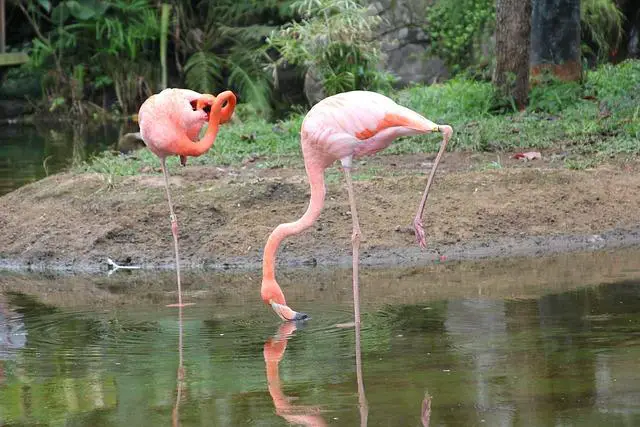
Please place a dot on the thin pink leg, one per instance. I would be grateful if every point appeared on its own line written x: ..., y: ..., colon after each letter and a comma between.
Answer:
x: 355, y: 241
x: 174, y: 231
x: 417, y: 221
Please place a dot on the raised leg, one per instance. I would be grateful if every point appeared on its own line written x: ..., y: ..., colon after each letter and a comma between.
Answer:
x: 355, y: 241
x: 417, y: 221
x: 174, y: 231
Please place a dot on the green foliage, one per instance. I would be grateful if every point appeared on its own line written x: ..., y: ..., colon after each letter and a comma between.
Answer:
x: 333, y: 39
x: 114, y: 34
x: 457, y: 30
x: 602, y: 24
x: 552, y: 96
x: 460, y: 31
x: 222, y: 46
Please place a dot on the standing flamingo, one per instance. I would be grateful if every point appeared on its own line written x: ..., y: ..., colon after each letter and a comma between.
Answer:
x: 341, y: 127
x: 170, y: 122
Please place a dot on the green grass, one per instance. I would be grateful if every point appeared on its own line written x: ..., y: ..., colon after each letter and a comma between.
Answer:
x: 587, y: 121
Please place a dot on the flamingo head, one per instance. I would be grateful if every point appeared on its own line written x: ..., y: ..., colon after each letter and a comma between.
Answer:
x: 203, y: 103
x: 272, y: 295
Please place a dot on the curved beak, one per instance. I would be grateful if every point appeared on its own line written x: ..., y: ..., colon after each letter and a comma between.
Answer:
x: 204, y: 103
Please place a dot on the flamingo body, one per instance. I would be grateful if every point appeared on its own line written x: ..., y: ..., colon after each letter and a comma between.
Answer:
x: 356, y: 124
x: 342, y: 127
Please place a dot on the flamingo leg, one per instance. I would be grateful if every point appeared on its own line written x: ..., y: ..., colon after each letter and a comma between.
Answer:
x: 417, y: 221
x: 355, y: 241
x: 174, y: 231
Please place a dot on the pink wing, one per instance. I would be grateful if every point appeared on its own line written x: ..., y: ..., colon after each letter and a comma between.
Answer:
x: 359, y: 123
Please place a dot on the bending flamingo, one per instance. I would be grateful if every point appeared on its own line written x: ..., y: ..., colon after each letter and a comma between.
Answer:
x: 341, y: 127
x: 170, y: 122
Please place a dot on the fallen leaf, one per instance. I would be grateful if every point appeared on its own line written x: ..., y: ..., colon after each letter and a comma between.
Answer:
x: 531, y: 155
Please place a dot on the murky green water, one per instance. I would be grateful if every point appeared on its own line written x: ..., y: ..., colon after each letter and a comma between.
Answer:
x: 104, y: 350
x: 31, y: 152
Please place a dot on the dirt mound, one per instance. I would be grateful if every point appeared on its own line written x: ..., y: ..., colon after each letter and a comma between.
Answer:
x: 226, y: 214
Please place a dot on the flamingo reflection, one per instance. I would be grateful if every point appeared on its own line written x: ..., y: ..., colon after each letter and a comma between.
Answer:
x: 426, y: 411
x: 175, y: 415
x: 273, y: 352
x: 13, y: 334
x: 362, y: 398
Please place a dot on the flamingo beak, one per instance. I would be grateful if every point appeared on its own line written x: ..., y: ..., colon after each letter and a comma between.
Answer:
x: 204, y: 103
x: 287, y: 314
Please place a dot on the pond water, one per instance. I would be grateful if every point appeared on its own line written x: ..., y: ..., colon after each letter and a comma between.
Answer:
x: 31, y: 152
x: 504, y: 344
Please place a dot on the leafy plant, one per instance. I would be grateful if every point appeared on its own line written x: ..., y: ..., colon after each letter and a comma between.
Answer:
x: 601, y: 24
x: 457, y: 29
x: 335, y: 39
x: 113, y: 34
x: 221, y: 44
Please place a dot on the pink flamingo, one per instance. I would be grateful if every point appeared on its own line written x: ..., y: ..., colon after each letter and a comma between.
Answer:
x: 342, y: 127
x: 170, y: 122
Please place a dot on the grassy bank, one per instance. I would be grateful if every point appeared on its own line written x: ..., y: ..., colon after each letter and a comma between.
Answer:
x: 580, y: 124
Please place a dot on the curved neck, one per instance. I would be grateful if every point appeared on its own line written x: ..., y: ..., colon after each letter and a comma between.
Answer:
x: 316, y: 182
x: 217, y: 116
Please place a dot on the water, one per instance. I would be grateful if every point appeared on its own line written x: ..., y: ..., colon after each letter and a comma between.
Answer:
x: 31, y: 152
x: 548, y: 341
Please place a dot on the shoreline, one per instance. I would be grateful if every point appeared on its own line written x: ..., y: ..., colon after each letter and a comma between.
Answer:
x: 72, y: 222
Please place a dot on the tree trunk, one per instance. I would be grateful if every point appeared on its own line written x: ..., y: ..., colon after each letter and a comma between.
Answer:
x: 555, y: 38
x: 513, y: 30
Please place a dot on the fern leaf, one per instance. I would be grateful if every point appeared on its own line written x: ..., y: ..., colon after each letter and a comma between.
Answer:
x: 203, y: 71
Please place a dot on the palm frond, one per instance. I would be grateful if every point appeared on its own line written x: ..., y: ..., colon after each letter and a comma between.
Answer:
x: 203, y: 71
x: 603, y: 21
x: 251, y: 82
x: 250, y: 33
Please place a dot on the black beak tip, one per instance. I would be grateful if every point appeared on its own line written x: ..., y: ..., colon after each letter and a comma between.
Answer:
x: 301, y: 317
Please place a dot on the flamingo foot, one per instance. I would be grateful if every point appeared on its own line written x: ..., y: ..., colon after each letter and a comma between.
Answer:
x: 184, y: 304
x: 420, y: 235
x: 287, y: 314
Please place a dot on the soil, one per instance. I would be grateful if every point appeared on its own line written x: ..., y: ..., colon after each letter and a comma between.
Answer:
x: 476, y: 209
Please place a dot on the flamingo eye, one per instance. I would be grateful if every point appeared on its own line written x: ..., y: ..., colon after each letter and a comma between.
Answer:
x: 194, y: 104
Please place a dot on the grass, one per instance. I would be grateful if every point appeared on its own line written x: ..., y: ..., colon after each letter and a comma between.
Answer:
x: 587, y: 121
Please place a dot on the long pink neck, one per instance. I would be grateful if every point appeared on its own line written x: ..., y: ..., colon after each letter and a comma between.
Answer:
x: 316, y: 181
x: 217, y: 116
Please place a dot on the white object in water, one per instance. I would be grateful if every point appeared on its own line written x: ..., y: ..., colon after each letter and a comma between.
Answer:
x: 114, y: 266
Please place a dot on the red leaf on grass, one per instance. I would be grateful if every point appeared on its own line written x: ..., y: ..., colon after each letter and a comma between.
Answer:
x: 531, y: 155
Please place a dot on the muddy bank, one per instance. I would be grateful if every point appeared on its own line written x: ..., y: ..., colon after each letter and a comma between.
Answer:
x: 76, y: 221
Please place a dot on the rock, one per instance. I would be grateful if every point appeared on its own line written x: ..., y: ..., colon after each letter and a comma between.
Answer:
x: 12, y: 108
x: 313, y: 88
x: 130, y: 142
x: 404, y: 43
x: 289, y: 83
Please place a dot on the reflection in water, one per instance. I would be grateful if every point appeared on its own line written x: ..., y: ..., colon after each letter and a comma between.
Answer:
x: 274, y: 349
x: 362, y: 399
x: 566, y: 358
x: 273, y: 353
x: 13, y: 335
x: 180, y: 376
x: 425, y: 415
